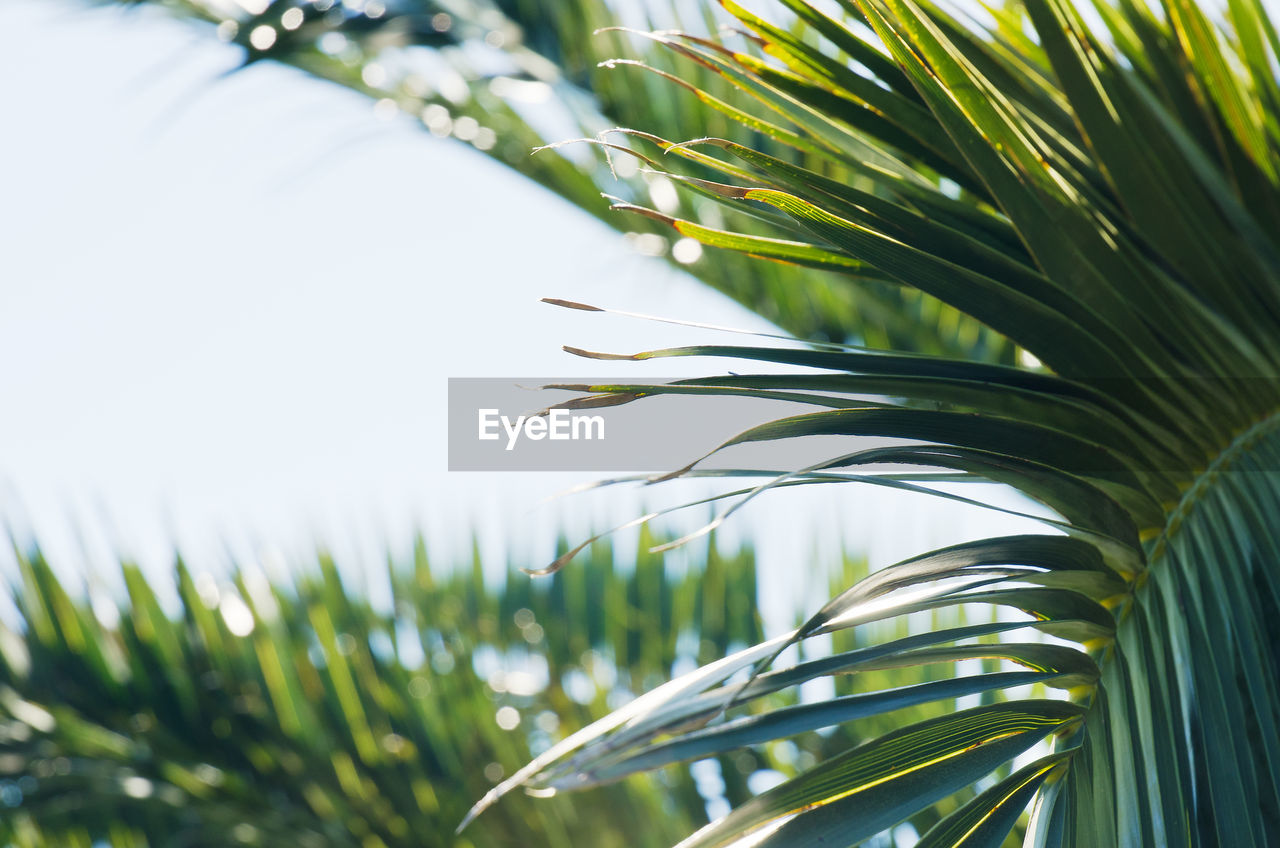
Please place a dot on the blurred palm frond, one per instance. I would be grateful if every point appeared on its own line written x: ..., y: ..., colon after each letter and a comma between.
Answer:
x: 512, y: 76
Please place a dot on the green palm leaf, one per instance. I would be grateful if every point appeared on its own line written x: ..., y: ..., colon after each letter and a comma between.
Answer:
x: 1107, y: 201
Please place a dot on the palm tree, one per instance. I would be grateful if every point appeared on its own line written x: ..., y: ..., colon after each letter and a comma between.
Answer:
x: 1101, y: 192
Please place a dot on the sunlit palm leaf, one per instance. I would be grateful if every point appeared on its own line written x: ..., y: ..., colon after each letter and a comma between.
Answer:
x: 1117, y: 218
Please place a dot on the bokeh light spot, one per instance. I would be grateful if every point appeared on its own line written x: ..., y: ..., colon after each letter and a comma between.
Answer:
x: 262, y: 37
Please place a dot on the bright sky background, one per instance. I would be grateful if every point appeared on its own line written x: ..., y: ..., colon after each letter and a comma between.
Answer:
x: 231, y: 306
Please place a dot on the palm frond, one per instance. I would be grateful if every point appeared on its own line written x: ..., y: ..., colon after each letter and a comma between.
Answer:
x: 1108, y: 201
x: 511, y: 77
x: 300, y: 713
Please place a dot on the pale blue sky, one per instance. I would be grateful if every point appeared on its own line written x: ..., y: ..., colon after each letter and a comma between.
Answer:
x: 231, y: 305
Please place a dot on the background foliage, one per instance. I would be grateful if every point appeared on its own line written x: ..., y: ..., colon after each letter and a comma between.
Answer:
x: 332, y: 722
